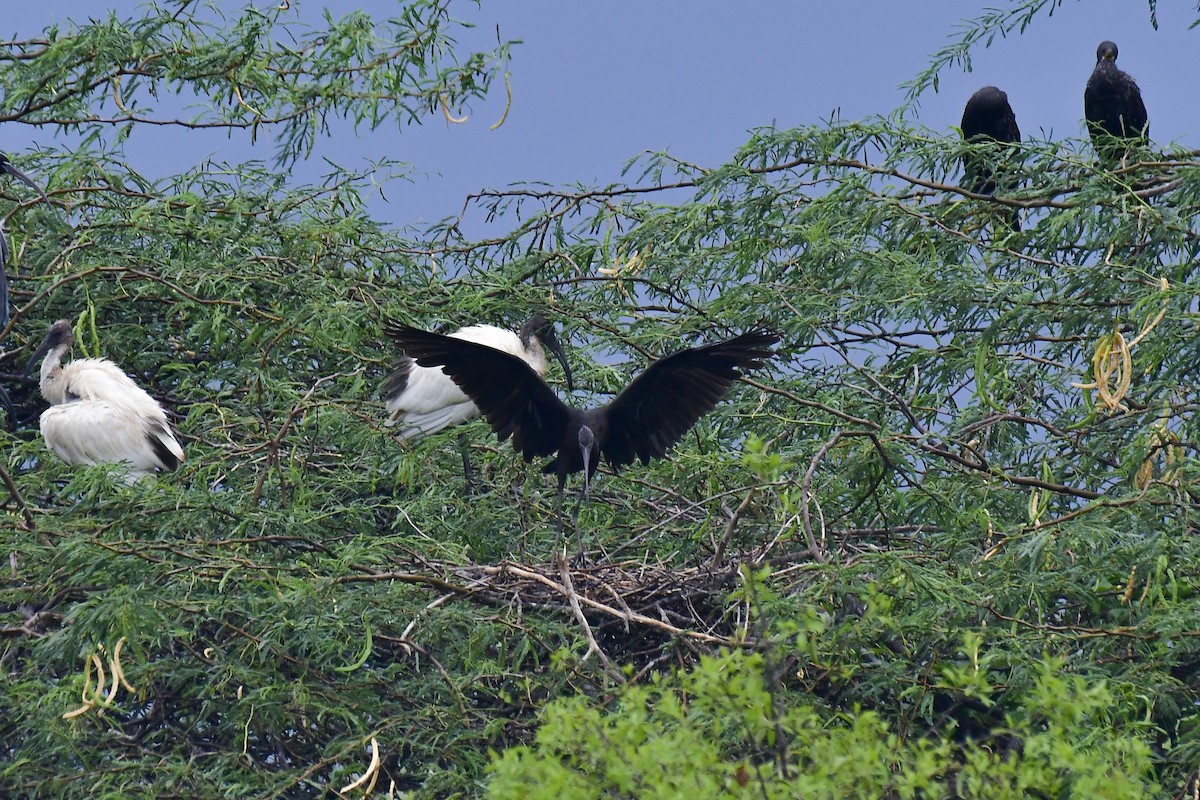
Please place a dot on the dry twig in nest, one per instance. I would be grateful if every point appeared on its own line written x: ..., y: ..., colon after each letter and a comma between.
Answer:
x: 631, y: 609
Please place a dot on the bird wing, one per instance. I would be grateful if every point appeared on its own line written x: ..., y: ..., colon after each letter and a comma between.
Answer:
x: 1012, y: 131
x: 664, y: 402
x: 98, y: 432
x: 512, y: 397
x: 411, y: 388
x: 1138, y: 123
x: 100, y: 379
x: 416, y: 425
x: 121, y: 418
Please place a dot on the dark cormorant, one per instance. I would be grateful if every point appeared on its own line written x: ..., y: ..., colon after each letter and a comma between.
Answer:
x: 1113, y: 107
x: 988, y: 116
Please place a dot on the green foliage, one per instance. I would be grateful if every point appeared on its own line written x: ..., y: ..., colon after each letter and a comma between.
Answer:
x: 262, y: 70
x: 719, y: 732
x: 994, y: 22
x: 953, y: 535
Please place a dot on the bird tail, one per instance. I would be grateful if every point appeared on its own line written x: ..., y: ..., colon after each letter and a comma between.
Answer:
x: 166, y: 447
x: 415, y: 426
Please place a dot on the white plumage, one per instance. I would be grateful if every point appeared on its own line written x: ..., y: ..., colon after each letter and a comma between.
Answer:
x: 422, y: 401
x: 98, y: 415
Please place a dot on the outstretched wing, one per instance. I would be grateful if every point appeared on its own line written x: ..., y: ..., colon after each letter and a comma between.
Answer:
x: 664, y: 402
x: 511, y: 396
x: 99, y: 432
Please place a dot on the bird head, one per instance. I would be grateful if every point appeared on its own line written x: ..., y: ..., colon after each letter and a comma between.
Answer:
x: 60, y: 337
x: 587, y: 441
x: 1106, y: 52
x: 543, y: 329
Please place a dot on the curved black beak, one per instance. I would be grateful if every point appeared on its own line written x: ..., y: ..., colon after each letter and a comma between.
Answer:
x: 7, y: 166
x: 549, y: 338
x: 587, y: 440
x: 37, y: 356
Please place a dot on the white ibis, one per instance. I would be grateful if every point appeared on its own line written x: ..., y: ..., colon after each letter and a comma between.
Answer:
x: 424, y: 400
x: 649, y: 415
x: 1113, y: 107
x: 98, y: 415
x: 988, y: 117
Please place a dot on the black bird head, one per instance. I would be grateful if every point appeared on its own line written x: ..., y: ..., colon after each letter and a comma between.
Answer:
x: 988, y: 117
x: 543, y: 329
x: 61, y: 335
x: 1106, y: 52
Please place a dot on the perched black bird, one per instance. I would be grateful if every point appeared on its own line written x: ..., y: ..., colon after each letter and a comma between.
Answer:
x: 642, y: 422
x: 1113, y: 107
x: 988, y: 117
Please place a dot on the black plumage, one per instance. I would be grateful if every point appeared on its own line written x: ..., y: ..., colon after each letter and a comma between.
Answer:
x: 642, y: 422
x: 1112, y: 105
x: 989, y: 117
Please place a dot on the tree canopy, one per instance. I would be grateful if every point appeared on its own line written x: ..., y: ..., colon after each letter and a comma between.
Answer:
x: 941, y: 546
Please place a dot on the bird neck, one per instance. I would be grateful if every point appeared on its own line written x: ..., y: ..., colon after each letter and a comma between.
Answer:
x: 51, y: 383
x: 535, y: 356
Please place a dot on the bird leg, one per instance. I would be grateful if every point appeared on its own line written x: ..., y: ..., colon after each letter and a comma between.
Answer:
x: 587, y: 440
x: 468, y: 472
x: 575, y: 518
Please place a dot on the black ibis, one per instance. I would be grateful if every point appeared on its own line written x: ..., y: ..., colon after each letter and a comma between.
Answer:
x: 642, y: 422
x: 988, y: 117
x: 98, y: 415
x: 1113, y: 107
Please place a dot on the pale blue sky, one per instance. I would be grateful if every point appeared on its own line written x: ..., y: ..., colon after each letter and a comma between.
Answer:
x: 594, y: 84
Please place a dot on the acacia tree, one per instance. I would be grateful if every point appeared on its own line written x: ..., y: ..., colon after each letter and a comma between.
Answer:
x: 951, y: 525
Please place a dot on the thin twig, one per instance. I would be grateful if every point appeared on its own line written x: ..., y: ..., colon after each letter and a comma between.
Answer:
x: 719, y: 554
x: 573, y: 599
